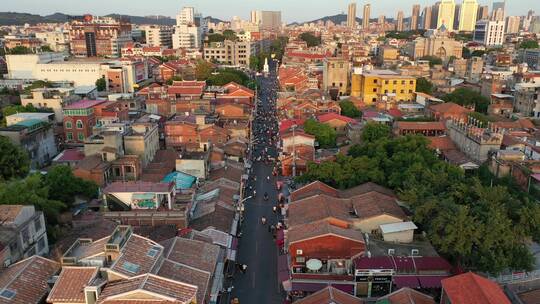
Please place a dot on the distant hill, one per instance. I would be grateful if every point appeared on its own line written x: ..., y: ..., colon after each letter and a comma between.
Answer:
x: 339, y: 18
x: 12, y: 18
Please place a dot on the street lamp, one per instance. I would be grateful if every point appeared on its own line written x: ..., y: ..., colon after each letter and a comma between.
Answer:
x: 241, y: 203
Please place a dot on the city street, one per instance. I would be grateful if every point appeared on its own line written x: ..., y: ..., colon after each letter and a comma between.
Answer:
x: 257, y: 248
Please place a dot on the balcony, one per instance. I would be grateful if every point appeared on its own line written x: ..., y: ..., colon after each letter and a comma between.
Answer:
x: 336, y: 270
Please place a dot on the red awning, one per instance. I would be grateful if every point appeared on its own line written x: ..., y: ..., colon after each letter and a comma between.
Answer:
x: 431, y: 281
x: 406, y: 281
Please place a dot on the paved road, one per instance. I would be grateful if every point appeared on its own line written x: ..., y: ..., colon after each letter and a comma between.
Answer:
x: 257, y: 248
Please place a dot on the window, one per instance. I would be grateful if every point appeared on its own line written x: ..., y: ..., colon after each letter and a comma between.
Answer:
x: 69, y: 136
x: 130, y: 267
x: 386, y: 82
x: 395, y: 81
x: 41, y: 244
x: 69, y: 125
x: 37, y: 224
x: 8, y: 294
x: 25, y: 235
x: 79, y: 124
x: 80, y: 136
x: 403, y: 82
x: 374, y: 90
x: 153, y: 251
x: 128, y: 169
x: 374, y: 80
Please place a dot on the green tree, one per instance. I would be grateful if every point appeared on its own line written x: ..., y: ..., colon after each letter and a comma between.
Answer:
x: 173, y: 79
x: 47, y: 48
x: 101, y: 84
x: 38, y: 84
x: 254, y: 63
x: 375, y: 131
x: 224, y: 76
x: 324, y: 134
x: 203, y: 70
x: 310, y: 39
x: 425, y: 86
x: 14, y: 161
x: 528, y: 44
x: 466, y: 53
x: 230, y: 35
x: 20, y: 50
x: 467, y: 97
x: 215, y: 38
x: 349, y: 109
x: 433, y: 60
x: 64, y: 186
x: 478, y: 53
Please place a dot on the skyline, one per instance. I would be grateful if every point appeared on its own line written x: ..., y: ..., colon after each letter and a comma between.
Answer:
x: 291, y: 10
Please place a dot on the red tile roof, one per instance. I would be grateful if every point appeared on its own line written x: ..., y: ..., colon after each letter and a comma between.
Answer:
x: 286, y: 124
x: 470, y: 288
x: 316, y: 187
x: 28, y: 279
x: 330, y: 295
x: 442, y: 143
x: 421, y: 125
x: 331, y: 116
x: 83, y: 104
x: 407, y: 295
x: 69, y: 287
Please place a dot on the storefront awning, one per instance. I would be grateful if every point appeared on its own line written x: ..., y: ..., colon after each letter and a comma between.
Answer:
x: 406, y: 281
x: 431, y: 281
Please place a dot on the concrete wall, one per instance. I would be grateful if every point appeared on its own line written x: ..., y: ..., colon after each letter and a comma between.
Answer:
x: 373, y: 223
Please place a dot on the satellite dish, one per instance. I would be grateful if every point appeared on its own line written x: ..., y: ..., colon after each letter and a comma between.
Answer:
x: 314, y: 264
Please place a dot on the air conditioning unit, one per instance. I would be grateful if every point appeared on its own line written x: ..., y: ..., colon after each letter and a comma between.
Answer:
x: 391, y: 251
x: 299, y: 252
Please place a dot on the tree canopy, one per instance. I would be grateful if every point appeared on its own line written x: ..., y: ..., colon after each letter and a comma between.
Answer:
x: 467, y: 97
x: 324, y: 134
x: 529, y: 44
x: 433, y: 60
x: 19, y: 50
x: 349, y: 109
x: 203, y: 69
x: 477, y: 226
x: 425, y: 86
x: 215, y: 37
x: 14, y: 161
x: 101, y: 84
x: 310, y: 39
x: 404, y: 34
x: 224, y: 76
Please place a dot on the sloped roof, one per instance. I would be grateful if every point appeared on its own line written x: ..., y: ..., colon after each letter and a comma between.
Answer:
x: 469, y: 288
x: 318, y: 229
x: 316, y: 187
x: 317, y: 208
x: 69, y: 287
x: 330, y: 295
x: 331, y: 116
x: 406, y: 295
x: 374, y: 204
x: 28, y: 279
x: 136, y: 257
x: 158, y: 288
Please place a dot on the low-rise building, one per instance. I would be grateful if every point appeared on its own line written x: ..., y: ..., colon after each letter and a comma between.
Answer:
x: 34, y: 136
x: 22, y: 233
x: 51, y: 98
x: 469, y: 288
x: 382, y: 86
x: 336, y: 75
x: 26, y: 281
x: 142, y: 140
x: 79, y: 120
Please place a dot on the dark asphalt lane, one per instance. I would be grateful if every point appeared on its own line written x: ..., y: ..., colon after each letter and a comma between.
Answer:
x: 257, y: 248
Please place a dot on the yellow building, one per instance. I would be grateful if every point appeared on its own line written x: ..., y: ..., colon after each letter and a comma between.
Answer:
x: 382, y: 85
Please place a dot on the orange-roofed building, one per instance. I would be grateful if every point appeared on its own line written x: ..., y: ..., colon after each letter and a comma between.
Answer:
x: 470, y: 288
x: 448, y: 110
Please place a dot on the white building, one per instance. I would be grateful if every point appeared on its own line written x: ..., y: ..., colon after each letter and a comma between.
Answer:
x: 81, y: 72
x: 57, y: 40
x: 22, y: 232
x: 189, y: 30
x: 157, y: 35
x: 489, y: 33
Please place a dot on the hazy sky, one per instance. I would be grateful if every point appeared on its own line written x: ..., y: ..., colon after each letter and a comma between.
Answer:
x: 292, y: 10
